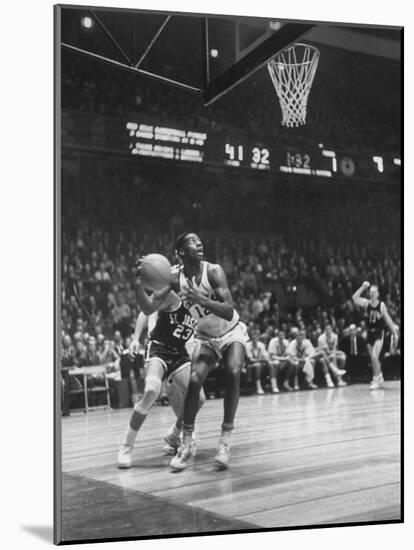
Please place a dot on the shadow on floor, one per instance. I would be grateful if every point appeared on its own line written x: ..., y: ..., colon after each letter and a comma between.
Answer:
x: 43, y: 532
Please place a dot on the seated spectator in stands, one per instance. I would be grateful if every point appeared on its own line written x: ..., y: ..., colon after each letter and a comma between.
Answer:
x: 257, y: 358
x: 92, y: 356
x: 101, y: 275
x: 108, y: 355
x: 100, y: 341
x: 267, y: 335
x: 301, y: 357
x: 279, y: 361
x: 80, y: 354
x: 68, y: 352
x: 121, y: 314
x: 118, y: 341
x: 332, y: 359
x: 355, y: 348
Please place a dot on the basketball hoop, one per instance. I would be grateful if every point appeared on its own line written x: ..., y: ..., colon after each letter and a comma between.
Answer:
x: 292, y: 72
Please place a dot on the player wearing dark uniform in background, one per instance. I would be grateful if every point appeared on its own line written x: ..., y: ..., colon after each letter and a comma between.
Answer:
x: 376, y: 316
x: 169, y: 332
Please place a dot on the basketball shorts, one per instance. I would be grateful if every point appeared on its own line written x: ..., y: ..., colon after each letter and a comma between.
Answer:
x: 221, y: 343
x: 171, y: 359
x: 375, y: 335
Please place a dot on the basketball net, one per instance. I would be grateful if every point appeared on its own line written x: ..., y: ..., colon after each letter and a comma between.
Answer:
x: 292, y: 72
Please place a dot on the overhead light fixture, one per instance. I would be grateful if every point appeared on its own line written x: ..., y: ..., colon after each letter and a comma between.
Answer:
x: 87, y: 22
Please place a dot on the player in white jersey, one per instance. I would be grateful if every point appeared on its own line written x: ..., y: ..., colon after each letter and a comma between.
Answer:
x: 219, y: 335
x: 332, y: 359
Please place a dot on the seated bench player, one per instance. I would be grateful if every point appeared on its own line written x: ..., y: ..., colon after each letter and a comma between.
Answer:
x: 257, y: 358
x: 279, y: 361
x: 301, y: 356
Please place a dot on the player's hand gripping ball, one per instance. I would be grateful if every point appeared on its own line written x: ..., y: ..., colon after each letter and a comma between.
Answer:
x: 194, y: 296
x: 154, y: 271
x: 365, y: 284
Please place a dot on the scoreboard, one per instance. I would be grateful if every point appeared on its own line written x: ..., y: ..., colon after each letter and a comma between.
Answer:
x: 162, y: 142
x: 278, y: 158
x: 148, y: 140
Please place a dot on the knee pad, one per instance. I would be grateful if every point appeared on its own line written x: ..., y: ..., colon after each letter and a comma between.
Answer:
x: 151, y: 392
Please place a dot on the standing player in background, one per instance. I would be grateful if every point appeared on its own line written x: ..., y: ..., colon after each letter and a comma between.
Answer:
x: 375, y: 314
x: 331, y: 357
x: 170, y: 327
x: 219, y: 335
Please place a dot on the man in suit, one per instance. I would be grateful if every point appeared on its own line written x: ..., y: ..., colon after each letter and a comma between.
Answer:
x: 355, y: 348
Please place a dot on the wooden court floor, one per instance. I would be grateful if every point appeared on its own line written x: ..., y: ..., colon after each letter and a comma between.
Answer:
x: 311, y: 457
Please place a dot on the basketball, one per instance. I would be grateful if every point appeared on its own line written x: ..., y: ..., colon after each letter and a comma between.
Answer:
x: 155, y: 271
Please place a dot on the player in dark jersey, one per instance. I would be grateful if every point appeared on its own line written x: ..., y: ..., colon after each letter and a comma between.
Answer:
x: 170, y: 328
x: 376, y: 316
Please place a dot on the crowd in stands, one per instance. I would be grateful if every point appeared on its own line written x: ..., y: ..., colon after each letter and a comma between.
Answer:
x: 91, y: 87
x: 306, y: 252
x: 276, y: 289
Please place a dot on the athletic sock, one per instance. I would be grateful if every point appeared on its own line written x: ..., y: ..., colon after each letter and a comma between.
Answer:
x: 173, y: 431
x: 225, y: 437
x: 273, y: 382
x: 187, y: 433
x: 135, y: 423
x: 226, y: 430
x: 130, y: 437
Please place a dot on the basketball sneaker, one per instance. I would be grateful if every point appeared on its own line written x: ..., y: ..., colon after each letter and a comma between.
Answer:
x: 275, y: 389
x: 222, y: 457
x: 377, y: 382
x: 172, y: 442
x: 180, y: 461
x: 125, y: 457
x: 287, y: 386
x: 329, y: 383
x: 312, y: 386
x: 341, y: 383
x: 335, y: 370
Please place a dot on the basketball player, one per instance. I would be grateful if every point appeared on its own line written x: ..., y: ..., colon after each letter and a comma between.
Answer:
x: 375, y: 314
x: 170, y: 328
x: 301, y: 355
x: 277, y: 350
x: 331, y: 357
x: 257, y: 359
x: 219, y: 334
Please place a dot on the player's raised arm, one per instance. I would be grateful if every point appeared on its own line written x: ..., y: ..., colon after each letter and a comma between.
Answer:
x: 388, y: 320
x: 224, y: 306
x: 357, y: 298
